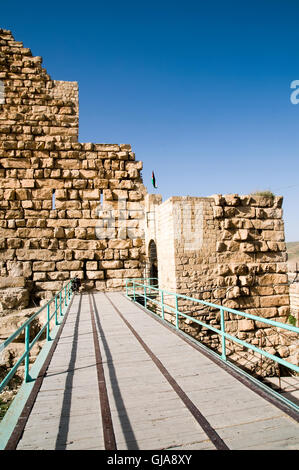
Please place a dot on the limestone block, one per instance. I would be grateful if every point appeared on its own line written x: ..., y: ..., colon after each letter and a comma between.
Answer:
x: 233, y: 292
x: 224, y: 270
x: 39, y: 255
x: 278, y: 201
x: 68, y: 265
x: 111, y: 264
x: 273, y: 278
x: 120, y: 244
x: 246, y: 325
x: 12, y: 281
x: 9, y: 194
x: 68, y: 205
x: 272, y: 246
x: 80, y: 233
x: 61, y: 194
x: 74, y: 214
x: 273, y: 235
x: 11, y: 322
x: 50, y: 285
x: 123, y: 273
x: 92, y: 265
x: 15, y: 163
x: 136, y: 165
x: 43, y: 266
x: 107, y: 195
x: 218, y: 212
x: 120, y: 194
x: 95, y: 274
x: 269, y: 213
x: 58, y: 276
x: 231, y: 199
x: 87, y: 255
x: 90, y: 194
x: 39, y: 276
x: 135, y: 196
x: 248, y: 247
x: 221, y: 246
x: 13, y: 298
x: 115, y: 283
x: 100, y: 286
x: 234, y: 246
x: 100, y: 183
x: 86, y: 244
x: 35, y: 233
x: 261, y: 201
x: 70, y: 163
x: 52, y: 183
x: 106, y: 147
x: 79, y: 183
x: 67, y: 223
x: 274, y: 301
x: 240, y: 268
x: 246, y: 280
x: 69, y: 233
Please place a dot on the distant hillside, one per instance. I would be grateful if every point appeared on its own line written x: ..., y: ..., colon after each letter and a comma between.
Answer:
x: 293, y: 255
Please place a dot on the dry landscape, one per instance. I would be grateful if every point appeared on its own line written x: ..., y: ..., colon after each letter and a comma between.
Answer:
x: 293, y: 255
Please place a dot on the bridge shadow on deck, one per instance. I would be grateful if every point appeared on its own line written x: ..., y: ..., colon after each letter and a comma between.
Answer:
x: 62, y: 437
x: 61, y: 440
x: 123, y: 416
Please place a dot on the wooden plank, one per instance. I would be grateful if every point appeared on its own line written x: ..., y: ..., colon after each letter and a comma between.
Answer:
x: 226, y: 402
x: 146, y: 411
x: 72, y: 403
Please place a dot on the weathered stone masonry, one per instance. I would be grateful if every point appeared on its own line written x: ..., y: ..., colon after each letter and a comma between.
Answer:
x: 70, y: 208
x: 42, y: 246
x: 228, y: 250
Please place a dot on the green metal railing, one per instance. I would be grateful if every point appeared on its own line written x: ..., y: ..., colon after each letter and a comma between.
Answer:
x: 61, y: 301
x: 136, y: 288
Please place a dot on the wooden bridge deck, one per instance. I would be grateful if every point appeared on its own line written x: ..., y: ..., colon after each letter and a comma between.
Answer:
x: 146, y: 388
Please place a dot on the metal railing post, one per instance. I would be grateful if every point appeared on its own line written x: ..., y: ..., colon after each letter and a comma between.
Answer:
x: 60, y: 303
x: 65, y: 300
x: 44, y: 330
x: 56, y: 319
x: 162, y: 304
x: 48, y: 322
x: 27, y: 341
x: 145, y: 299
x: 223, y: 354
x: 134, y: 291
x: 176, y: 312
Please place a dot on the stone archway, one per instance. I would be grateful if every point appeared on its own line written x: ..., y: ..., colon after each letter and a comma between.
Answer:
x: 153, y: 263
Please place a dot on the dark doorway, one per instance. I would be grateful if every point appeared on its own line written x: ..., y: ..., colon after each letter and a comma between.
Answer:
x: 153, y: 262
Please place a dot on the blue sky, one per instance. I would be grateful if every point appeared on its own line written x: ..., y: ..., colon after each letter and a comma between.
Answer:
x: 201, y: 90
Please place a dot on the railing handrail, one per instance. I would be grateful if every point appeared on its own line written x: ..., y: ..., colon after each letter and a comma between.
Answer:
x: 220, y: 331
x: 217, y: 306
x: 26, y: 325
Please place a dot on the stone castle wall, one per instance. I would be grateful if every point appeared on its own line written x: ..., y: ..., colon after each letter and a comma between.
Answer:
x: 228, y: 250
x: 70, y: 208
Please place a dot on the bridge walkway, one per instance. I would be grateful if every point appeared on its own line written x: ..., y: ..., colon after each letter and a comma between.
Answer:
x: 119, y: 379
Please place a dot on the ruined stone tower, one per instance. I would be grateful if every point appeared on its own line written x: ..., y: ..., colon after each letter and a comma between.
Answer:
x: 58, y: 195
x: 227, y: 250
